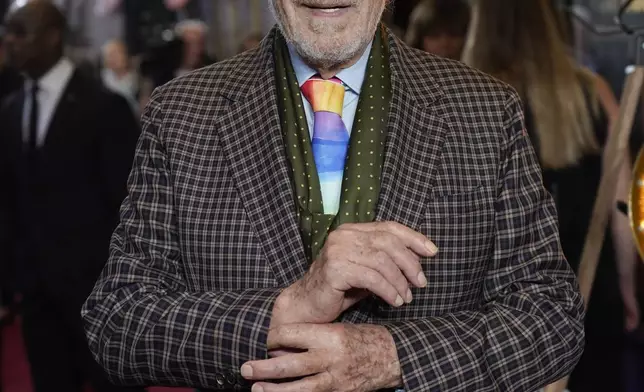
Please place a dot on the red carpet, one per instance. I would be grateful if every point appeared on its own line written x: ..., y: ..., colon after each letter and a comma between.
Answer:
x: 15, y: 369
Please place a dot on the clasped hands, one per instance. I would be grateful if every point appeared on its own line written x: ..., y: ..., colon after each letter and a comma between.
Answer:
x: 307, y: 352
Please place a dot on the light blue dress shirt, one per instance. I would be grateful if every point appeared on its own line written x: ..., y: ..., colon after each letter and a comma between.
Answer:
x: 352, y: 78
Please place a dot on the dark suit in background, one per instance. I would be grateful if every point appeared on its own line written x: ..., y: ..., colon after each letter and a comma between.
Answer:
x: 60, y: 204
x: 10, y: 81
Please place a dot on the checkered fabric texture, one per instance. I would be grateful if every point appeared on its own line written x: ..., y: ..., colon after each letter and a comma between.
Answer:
x: 209, y: 235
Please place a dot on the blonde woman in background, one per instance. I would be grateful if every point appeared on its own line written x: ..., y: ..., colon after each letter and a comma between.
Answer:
x: 568, y: 115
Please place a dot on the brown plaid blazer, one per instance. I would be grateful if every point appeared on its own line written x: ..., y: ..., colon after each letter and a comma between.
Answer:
x: 209, y: 236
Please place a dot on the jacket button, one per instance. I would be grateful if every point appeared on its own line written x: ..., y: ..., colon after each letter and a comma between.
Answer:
x: 221, y: 381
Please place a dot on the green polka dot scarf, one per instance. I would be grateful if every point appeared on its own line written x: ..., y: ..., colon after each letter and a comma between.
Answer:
x: 361, y: 183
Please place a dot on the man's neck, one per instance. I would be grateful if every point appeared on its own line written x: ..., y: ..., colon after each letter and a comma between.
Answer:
x: 328, y: 73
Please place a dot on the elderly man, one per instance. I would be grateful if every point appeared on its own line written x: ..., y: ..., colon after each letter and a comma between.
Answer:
x: 334, y: 211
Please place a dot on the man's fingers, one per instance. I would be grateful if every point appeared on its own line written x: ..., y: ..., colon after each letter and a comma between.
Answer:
x: 388, y: 263
x: 321, y: 382
x: 405, y: 260
x: 404, y: 246
x: 283, y: 351
x: 361, y: 277
x: 391, y: 270
x: 296, y: 336
x: 303, y: 337
x: 415, y: 241
x: 283, y: 367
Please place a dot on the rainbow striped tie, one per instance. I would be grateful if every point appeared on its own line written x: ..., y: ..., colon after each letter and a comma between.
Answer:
x: 330, y: 137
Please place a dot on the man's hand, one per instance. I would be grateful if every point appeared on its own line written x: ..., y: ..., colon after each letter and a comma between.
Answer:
x: 382, y: 258
x: 335, y: 357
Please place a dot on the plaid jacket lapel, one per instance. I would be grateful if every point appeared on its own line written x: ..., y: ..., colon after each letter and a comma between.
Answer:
x: 251, y: 129
x: 414, y: 140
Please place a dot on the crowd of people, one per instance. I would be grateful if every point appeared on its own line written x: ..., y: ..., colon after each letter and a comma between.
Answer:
x: 68, y: 133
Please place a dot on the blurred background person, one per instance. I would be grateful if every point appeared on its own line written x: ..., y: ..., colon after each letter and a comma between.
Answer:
x: 388, y: 19
x: 10, y: 79
x: 150, y: 23
x: 66, y: 147
x: 192, y: 35
x: 439, y: 27
x: 4, y: 6
x: 9, y: 82
x: 579, y: 38
x: 251, y: 41
x: 118, y: 74
x: 184, y: 53
x: 568, y: 112
x: 229, y: 21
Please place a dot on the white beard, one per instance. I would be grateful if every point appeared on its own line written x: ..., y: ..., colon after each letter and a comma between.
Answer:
x: 329, y: 56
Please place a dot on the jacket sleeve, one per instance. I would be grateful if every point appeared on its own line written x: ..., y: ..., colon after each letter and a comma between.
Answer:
x: 142, y: 323
x: 529, y: 330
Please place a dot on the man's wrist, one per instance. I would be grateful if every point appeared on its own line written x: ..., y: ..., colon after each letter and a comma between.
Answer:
x: 286, y: 307
x: 394, y: 370
x: 390, y: 371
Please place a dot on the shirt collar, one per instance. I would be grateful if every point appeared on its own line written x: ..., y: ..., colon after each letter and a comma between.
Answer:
x: 56, y: 78
x: 352, y: 77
